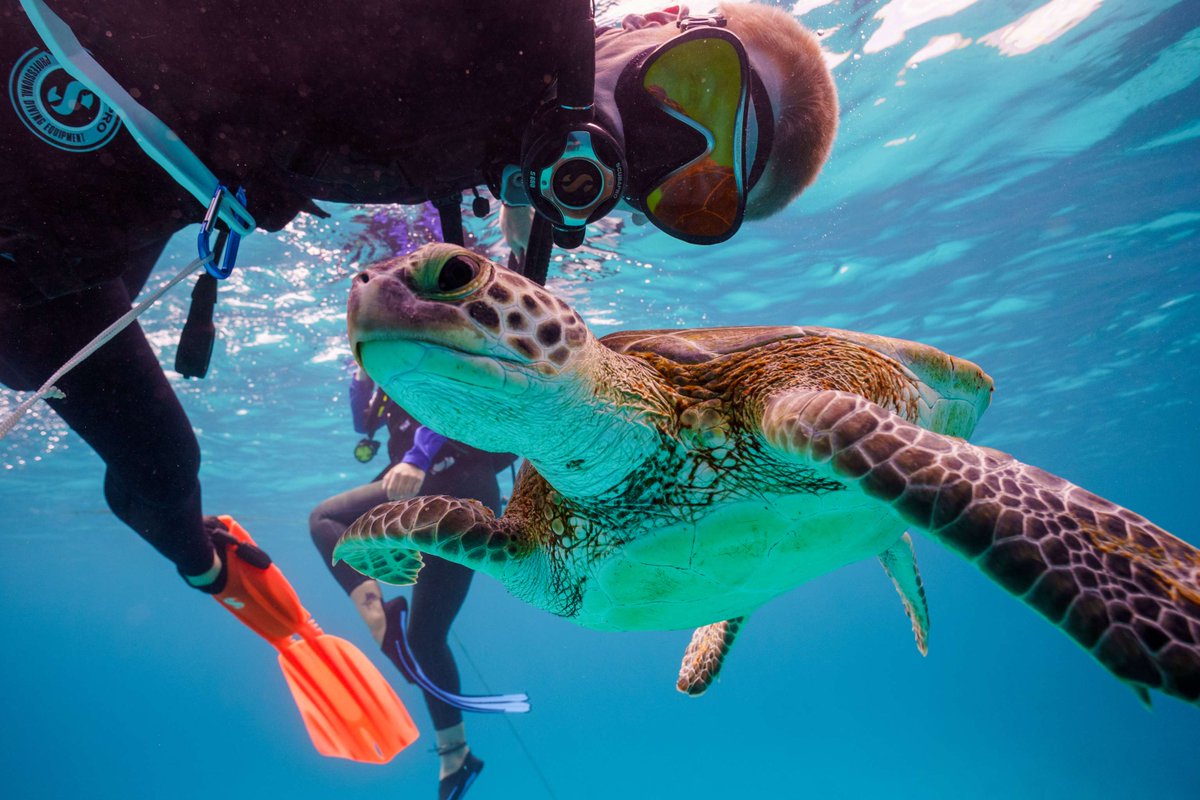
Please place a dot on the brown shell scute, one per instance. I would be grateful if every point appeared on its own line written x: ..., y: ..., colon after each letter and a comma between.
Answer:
x: 697, y: 345
x: 715, y: 352
x: 814, y: 362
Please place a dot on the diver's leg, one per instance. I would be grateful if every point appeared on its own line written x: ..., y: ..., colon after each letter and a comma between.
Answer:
x: 327, y: 522
x: 118, y: 400
x: 438, y: 595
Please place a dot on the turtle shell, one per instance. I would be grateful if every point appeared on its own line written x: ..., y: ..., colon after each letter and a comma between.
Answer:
x: 697, y: 345
x: 943, y: 375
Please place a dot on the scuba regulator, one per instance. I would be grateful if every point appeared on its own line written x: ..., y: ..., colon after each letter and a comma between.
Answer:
x: 573, y: 169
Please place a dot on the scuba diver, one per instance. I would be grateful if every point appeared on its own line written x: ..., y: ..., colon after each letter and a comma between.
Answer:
x: 124, y: 113
x: 420, y: 461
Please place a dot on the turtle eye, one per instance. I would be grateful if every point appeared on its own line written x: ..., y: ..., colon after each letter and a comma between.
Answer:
x: 456, y: 273
x: 458, y: 277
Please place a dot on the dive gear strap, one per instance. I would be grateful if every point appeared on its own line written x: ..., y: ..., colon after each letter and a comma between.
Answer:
x: 537, y: 252
x: 199, y: 334
x: 450, y: 215
x: 196, y: 340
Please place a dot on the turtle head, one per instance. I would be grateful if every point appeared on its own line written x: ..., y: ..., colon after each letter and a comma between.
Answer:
x: 464, y: 345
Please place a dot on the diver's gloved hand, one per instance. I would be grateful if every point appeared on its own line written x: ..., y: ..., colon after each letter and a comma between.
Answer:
x: 515, y: 224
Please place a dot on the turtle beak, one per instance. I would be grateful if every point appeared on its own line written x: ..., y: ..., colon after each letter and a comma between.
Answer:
x: 383, y: 307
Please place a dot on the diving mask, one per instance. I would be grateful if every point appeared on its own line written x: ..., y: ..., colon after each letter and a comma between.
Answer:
x: 698, y: 128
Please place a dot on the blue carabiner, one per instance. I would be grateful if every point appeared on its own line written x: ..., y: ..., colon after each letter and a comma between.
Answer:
x: 229, y: 258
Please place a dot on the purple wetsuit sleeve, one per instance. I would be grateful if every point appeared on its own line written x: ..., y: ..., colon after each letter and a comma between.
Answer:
x: 426, y: 444
x: 360, y: 401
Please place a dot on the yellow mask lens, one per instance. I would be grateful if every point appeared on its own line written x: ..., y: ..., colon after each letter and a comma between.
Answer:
x: 701, y: 83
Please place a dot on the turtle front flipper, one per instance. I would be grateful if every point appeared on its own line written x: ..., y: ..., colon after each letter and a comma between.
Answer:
x: 386, y: 543
x: 900, y: 563
x: 705, y: 655
x: 1126, y: 590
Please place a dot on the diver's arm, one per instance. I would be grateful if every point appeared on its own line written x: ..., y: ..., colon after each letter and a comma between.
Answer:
x: 404, y: 480
x: 515, y: 224
x: 426, y: 444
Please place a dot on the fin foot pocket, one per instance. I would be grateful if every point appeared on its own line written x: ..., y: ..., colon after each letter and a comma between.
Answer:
x: 255, y: 591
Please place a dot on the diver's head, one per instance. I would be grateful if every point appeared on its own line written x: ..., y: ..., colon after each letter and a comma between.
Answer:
x: 787, y: 127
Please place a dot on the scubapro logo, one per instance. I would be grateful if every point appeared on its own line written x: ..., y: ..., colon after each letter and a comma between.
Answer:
x: 57, y: 108
x: 577, y: 183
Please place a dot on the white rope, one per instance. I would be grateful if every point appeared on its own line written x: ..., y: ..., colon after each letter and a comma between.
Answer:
x: 50, y: 390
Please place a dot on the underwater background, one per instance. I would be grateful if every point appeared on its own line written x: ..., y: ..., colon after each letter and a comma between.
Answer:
x: 1017, y: 183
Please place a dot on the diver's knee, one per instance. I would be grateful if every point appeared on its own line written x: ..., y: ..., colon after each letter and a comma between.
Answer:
x: 318, y: 523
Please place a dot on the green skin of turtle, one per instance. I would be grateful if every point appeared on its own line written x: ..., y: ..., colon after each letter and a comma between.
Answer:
x: 682, y: 478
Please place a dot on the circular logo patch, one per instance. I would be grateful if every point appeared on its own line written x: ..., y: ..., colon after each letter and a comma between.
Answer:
x: 57, y: 108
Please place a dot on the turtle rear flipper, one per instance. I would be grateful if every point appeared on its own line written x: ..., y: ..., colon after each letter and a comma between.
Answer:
x: 705, y: 655
x: 386, y: 543
x: 1126, y: 590
x: 900, y: 563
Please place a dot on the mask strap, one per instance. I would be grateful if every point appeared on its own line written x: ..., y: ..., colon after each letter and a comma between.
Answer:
x: 764, y: 123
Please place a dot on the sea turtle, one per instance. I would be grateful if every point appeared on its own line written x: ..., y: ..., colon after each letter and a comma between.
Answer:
x: 681, y: 478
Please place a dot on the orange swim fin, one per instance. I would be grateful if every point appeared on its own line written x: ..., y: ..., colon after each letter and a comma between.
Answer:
x: 350, y: 710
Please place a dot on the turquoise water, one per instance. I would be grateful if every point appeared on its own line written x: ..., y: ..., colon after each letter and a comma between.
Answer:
x: 1014, y: 182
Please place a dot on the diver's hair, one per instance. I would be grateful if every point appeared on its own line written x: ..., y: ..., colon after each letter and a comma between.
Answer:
x: 807, y: 121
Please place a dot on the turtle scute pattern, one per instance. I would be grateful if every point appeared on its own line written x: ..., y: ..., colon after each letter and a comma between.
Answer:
x: 740, y: 380
x: 1127, y: 591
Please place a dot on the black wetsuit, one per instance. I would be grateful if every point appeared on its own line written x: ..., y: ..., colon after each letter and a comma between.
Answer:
x: 458, y: 471
x: 396, y: 101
